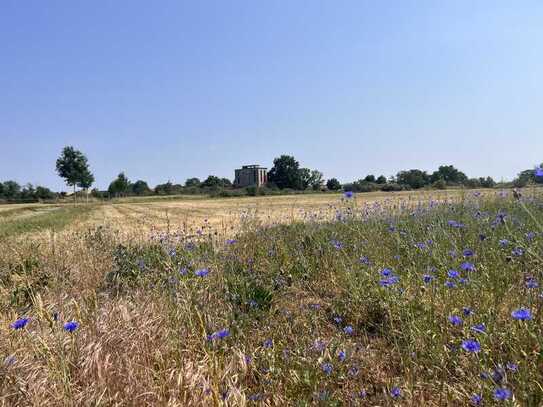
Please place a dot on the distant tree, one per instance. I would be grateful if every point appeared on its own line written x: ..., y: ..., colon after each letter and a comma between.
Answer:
x: 44, y: 193
x: 414, y: 178
x: 449, y: 174
x: 527, y: 177
x: 1, y: 190
x: 305, y: 177
x: 27, y: 193
x: 226, y: 182
x: 140, y: 188
x: 370, y: 178
x: 381, y: 180
x: 11, y: 190
x: 333, y: 184
x: 72, y: 165
x: 192, y: 182
x: 285, y: 173
x: 86, y: 181
x: 315, y: 180
x: 119, y: 186
x: 212, y: 182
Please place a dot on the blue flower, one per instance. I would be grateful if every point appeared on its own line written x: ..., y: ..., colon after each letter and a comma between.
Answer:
x: 348, y: 194
x: 455, y: 320
x: 479, y: 328
x: 512, y: 366
x: 71, y: 326
x: 386, y: 272
x: 530, y: 235
x: 396, y: 392
x: 20, y: 323
x: 502, y: 394
x: 471, y: 345
x: 337, y: 244
x: 365, y: 260
x: 427, y: 278
x: 476, y: 399
x: 467, y: 311
x: 467, y: 266
x: 503, y: 242
x: 450, y: 284
x: 467, y: 253
x: 531, y: 283
x: 348, y: 330
x: 538, y: 172
x: 327, y: 368
x: 231, y: 241
x: 342, y: 355
x: 268, y: 343
x: 338, y: 320
x: 517, y: 251
x: 453, y: 273
x: 522, y: 314
x: 202, y: 272
x: 223, y: 333
x: 387, y: 282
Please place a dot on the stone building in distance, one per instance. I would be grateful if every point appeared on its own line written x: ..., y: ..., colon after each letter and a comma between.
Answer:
x: 250, y: 175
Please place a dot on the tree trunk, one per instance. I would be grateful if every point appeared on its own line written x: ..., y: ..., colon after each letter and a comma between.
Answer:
x: 74, y: 194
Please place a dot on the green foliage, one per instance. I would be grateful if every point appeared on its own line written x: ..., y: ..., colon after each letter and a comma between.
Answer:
x: 333, y: 184
x: 140, y: 188
x: 72, y: 165
x: 381, y: 179
x: 120, y: 186
x: 449, y: 174
x: 192, y: 182
x: 413, y: 178
x: 285, y: 173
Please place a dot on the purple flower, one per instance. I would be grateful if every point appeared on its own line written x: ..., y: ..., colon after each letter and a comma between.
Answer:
x: 522, y: 314
x: 467, y: 311
x: 476, y: 399
x: 479, y: 328
x: 268, y: 343
x: 342, y: 355
x: 467, y: 266
x: 538, y: 172
x: 386, y: 272
x: 396, y: 392
x: 364, y: 260
x: 20, y: 323
x: 531, y: 283
x: 427, y: 278
x: 455, y: 320
x: 502, y: 394
x: 467, y: 253
x: 348, y: 330
x: 453, y: 274
x: 223, y: 333
x: 471, y: 345
x: 517, y: 251
x: 71, y: 326
x: 327, y: 368
x: 503, y: 242
x: 450, y: 284
x: 202, y: 272
x: 348, y: 194
x: 512, y: 366
x: 337, y: 244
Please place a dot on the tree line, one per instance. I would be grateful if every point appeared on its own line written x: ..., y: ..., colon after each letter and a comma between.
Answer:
x: 285, y: 176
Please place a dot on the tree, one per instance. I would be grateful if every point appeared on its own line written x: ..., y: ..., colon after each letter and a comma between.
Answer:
x: 305, y: 177
x: 449, y: 174
x: 119, y: 186
x: 212, y: 182
x: 381, y: 179
x: 11, y: 190
x: 370, y: 178
x: 44, y: 193
x: 285, y: 173
x: 315, y: 180
x: 192, y: 182
x: 414, y: 178
x: 86, y: 181
x: 140, y: 188
x: 226, y: 182
x: 72, y: 165
x: 333, y: 184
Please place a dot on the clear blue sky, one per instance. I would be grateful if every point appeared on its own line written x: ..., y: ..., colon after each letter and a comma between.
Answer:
x: 174, y: 89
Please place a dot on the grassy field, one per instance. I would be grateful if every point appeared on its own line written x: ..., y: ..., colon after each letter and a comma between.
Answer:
x: 383, y: 299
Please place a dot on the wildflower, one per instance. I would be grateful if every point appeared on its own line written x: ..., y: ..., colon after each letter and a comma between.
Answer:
x: 387, y: 282
x: 517, y: 251
x: 248, y: 359
x: 427, y: 278
x: 10, y: 360
x: 364, y: 260
x: 538, y: 172
x: 467, y: 266
x: 530, y: 235
x: 386, y: 272
x: 512, y: 366
x: 255, y: 397
x: 202, y: 272
x: 471, y: 345
x: 342, y: 355
x: 497, y: 375
x: 172, y: 253
x: 522, y: 314
x: 450, y: 284
x: 467, y: 311
x: 353, y: 371
x: 503, y: 242
x: 327, y: 368
x: 463, y: 280
x: 348, y: 194
x: 268, y: 343
x: 71, y: 326
x: 231, y: 241
x: 338, y: 320
x: 476, y: 399
x: 396, y: 392
x: 348, y: 330
x: 453, y: 274
x: 531, y: 283
x: 421, y: 245
x: 482, y: 237
x: 455, y: 320
x: 223, y: 333
x: 141, y: 264
x: 20, y: 323
x: 319, y: 345
x: 479, y: 328
x: 502, y: 394
x: 362, y: 394
x: 337, y: 244
x: 467, y: 253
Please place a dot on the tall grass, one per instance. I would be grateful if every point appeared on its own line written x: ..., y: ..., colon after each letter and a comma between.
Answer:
x: 374, y: 305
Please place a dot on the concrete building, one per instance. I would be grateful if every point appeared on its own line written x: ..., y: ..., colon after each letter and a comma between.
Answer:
x: 250, y: 175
